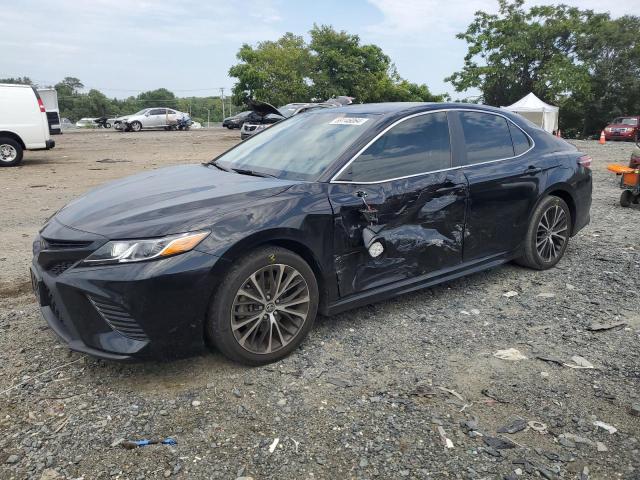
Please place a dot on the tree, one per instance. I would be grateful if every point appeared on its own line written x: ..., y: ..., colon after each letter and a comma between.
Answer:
x: 274, y: 72
x: 342, y: 66
x: 17, y: 80
x: 516, y: 52
x: 333, y: 63
x: 71, y: 84
x: 584, y: 62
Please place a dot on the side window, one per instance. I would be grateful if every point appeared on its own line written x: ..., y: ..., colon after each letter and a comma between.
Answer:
x: 417, y: 145
x: 520, y: 141
x: 486, y: 137
x: 158, y: 111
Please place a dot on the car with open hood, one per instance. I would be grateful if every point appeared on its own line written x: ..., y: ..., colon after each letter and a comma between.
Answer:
x: 264, y: 115
x: 333, y: 209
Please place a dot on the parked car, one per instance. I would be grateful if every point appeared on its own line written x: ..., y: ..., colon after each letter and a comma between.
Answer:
x: 325, y: 211
x: 236, y: 120
x: 86, y: 122
x: 148, y: 118
x: 623, y: 128
x: 66, y: 124
x: 264, y: 115
x: 50, y: 99
x: 23, y: 123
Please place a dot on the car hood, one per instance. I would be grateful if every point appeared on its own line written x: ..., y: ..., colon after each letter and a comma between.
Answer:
x: 620, y: 125
x: 165, y: 201
x: 262, y: 108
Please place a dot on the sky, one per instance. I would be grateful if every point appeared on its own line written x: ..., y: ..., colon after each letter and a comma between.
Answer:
x: 125, y: 47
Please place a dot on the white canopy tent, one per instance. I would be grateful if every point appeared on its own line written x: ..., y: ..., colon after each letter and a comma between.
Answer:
x: 535, y: 110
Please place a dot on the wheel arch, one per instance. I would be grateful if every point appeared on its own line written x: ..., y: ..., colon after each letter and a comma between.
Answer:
x: 563, y: 192
x: 285, y: 238
x: 13, y: 136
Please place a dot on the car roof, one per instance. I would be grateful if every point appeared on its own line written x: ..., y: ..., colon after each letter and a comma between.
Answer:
x: 413, y: 107
x: 15, y: 85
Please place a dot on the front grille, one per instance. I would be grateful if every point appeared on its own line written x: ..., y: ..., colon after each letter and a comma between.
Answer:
x: 118, y: 318
x: 52, y: 244
x: 59, y: 267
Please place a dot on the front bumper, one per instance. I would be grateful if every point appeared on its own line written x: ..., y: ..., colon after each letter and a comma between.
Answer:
x: 154, y: 309
x: 631, y: 135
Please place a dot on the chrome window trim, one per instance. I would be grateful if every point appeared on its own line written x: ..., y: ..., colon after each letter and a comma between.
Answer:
x: 373, y: 140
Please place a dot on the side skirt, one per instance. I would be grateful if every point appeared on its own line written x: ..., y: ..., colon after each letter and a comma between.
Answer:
x: 418, y: 283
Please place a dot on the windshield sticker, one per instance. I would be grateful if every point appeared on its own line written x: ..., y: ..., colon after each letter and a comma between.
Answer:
x: 348, y: 121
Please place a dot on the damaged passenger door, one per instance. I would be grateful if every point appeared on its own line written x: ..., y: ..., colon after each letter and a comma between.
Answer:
x: 399, y: 207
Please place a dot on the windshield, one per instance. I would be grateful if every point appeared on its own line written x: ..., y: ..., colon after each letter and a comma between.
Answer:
x: 299, y: 148
x: 141, y: 112
x: 626, y: 121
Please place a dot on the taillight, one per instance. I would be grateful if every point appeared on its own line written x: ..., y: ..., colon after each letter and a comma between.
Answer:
x: 41, y: 105
x: 585, y: 161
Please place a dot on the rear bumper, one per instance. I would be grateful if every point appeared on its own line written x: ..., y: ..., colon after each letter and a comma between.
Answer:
x: 583, y: 200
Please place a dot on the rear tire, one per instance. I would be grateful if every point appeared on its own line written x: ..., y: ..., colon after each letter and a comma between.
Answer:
x: 548, y: 234
x: 626, y: 198
x: 274, y: 316
x: 11, y: 152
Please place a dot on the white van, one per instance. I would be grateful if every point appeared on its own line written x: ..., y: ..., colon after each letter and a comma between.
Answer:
x: 23, y: 123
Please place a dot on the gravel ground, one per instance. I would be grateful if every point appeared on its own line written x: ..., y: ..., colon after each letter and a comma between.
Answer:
x: 373, y: 393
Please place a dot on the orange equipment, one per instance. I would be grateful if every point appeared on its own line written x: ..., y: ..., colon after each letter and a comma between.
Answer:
x: 603, y: 139
x: 630, y: 183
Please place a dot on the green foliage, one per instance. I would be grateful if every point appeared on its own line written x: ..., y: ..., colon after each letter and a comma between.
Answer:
x: 586, y: 63
x: 17, y: 80
x: 333, y: 63
x: 273, y: 71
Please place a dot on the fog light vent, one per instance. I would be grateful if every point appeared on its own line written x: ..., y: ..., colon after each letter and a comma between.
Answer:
x: 118, y: 318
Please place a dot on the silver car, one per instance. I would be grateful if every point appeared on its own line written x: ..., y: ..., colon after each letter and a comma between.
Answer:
x: 149, y: 118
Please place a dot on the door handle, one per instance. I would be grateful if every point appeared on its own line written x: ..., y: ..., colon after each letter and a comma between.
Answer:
x: 532, y: 169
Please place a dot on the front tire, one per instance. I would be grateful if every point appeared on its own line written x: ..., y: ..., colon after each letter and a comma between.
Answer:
x: 11, y: 152
x: 264, y: 307
x: 136, y: 126
x: 548, y: 234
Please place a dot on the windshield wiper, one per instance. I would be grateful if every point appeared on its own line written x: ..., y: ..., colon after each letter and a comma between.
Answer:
x: 219, y: 167
x: 244, y: 171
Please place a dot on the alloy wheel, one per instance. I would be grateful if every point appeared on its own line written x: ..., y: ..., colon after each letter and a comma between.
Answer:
x: 8, y: 153
x: 270, y: 309
x: 552, y: 233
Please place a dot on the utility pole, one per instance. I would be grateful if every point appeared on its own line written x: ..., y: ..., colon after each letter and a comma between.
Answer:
x: 222, y: 100
x: 207, y: 118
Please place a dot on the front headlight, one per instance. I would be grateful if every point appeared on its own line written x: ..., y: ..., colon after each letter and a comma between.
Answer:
x: 607, y: 129
x: 125, y: 251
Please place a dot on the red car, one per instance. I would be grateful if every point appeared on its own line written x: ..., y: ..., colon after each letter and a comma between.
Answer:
x: 623, y: 128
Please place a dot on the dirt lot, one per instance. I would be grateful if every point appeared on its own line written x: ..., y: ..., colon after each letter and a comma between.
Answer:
x: 370, y: 394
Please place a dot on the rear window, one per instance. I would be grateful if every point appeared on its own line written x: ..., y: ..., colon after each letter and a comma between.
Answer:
x: 521, y: 142
x: 486, y: 137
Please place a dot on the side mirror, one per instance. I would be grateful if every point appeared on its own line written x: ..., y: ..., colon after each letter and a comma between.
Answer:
x: 147, y: 114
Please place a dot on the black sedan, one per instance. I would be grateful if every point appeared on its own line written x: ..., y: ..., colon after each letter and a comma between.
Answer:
x: 236, y: 121
x: 322, y: 212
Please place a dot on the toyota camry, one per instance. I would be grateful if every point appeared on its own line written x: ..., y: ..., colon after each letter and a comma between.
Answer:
x: 325, y: 211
